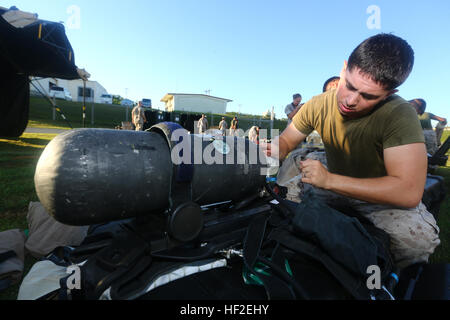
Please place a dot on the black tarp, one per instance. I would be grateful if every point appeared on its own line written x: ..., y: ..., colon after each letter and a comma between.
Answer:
x: 40, y: 49
x: 154, y: 117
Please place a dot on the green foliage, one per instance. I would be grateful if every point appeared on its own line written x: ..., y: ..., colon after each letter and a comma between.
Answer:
x: 117, y: 99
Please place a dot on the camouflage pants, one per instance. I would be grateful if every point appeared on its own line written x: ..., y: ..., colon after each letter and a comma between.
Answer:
x: 414, y: 233
x: 139, y: 126
x: 430, y: 141
x: 439, y: 131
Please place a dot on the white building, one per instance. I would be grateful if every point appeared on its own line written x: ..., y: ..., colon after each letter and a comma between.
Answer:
x: 200, y: 103
x: 94, y: 90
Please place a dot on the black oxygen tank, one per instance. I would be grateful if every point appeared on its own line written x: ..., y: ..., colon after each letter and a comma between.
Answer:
x: 89, y: 176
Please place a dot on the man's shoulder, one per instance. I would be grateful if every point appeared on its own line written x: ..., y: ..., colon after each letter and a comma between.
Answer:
x: 326, y: 100
x: 396, y: 106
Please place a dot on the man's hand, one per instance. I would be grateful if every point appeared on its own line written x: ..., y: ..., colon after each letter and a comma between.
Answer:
x: 315, y: 173
x: 406, y: 168
x: 294, y: 112
x: 270, y: 149
x: 280, y: 146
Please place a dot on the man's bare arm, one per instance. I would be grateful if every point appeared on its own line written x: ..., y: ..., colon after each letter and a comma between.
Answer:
x: 403, y: 186
x: 434, y: 117
x: 281, y: 146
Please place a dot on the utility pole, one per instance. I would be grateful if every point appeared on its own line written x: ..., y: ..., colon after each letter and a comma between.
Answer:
x: 84, y: 103
x: 126, y: 97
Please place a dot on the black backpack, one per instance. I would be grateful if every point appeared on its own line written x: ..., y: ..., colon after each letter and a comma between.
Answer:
x: 312, y: 251
x: 293, y: 251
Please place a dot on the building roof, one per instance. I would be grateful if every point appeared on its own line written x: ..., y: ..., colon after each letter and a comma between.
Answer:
x: 169, y: 96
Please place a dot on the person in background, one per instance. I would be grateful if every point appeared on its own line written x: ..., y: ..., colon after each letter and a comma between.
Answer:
x: 253, y: 134
x: 292, y: 108
x: 234, y: 126
x: 425, y: 118
x: 202, y: 124
x: 331, y: 83
x: 223, y: 126
x: 376, y: 155
x: 138, y: 117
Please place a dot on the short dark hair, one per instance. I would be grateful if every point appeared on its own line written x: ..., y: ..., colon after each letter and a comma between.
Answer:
x: 328, y: 81
x: 420, y: 103
x: 297, y: 95
x: 386, y: 58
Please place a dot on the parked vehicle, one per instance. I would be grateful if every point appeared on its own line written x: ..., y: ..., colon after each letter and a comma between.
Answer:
x: 106, y: 98
x: 60, y: 93
x: 126, y: 102
x: 68, y: 95
x: 147, y: 103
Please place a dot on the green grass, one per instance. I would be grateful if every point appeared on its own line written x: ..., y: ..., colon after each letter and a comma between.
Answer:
x: 105, y: 115
x: 109, y: 116
x: 18, y: 159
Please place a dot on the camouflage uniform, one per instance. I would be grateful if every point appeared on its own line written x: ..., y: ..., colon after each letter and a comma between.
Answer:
x: 414, y: 232
x: 289, y: 175
x: 440, y: 127
x: 430, y: 141
x: 138, y: 117
x: 314, y: 139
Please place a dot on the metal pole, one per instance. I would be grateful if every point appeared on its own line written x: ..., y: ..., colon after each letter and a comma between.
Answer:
x: 92, y: 114
x: 84, y: 103
x: 126, y: 112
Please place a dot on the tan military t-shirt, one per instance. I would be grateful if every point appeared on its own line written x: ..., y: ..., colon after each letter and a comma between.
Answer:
x: 354, y: 147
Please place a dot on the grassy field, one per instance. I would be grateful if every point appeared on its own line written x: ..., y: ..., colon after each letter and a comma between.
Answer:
x: 110, y: 116
x: 105, y: 115
x: 18, y: 159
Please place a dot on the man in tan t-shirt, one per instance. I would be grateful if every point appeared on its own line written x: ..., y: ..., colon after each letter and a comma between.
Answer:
x: 375, y: 149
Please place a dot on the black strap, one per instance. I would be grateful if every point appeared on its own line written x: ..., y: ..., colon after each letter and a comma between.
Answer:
x: 7, y: 255
x: 349, y: 282
x: 276, y: 289
x: 412, y: 285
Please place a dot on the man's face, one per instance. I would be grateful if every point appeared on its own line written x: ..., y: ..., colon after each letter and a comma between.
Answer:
x: 358, y: 94
x: 417, y: 107
x: 297, y: 101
